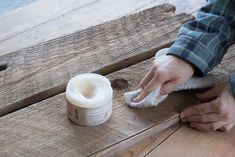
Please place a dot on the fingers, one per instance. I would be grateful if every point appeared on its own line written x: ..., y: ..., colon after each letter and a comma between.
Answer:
x: 150, y: 82
x: 147, y: 77
x: 204, y: 118
x: 217, y: 114
x: 157, y: 80
x: 140, y: 97
x: 204, y: 108
x: 208, y: 95
x: 207, y: 126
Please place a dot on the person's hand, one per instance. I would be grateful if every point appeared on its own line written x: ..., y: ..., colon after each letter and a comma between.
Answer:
x: 167, y: 72
x: 216, y: 114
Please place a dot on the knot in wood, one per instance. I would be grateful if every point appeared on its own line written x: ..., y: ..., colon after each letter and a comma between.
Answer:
x: 3, y: 67
x: 119, y: 84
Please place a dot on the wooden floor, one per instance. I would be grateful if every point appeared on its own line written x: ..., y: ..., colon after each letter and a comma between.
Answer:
x: 43, y: 48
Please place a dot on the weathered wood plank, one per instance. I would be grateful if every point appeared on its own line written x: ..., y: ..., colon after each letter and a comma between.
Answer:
x: 192, y: 143
x: 41, y: 71
x: 143, y: 143
x: 226, y: 67
x: 45, y: 20
x: 30, y: 16
x: 43, y: 129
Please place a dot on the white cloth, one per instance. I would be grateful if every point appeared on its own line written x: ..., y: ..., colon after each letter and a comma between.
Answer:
x: 152, y: 100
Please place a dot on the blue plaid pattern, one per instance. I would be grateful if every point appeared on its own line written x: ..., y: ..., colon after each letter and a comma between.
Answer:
x: 204, y: 41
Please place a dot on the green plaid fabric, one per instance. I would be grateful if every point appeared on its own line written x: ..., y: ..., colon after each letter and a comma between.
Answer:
x: 204, y: 41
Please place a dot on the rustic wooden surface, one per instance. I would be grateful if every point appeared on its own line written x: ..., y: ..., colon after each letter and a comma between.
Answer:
x: 43, y: 129
x: 192, y: 143
x: 142, y: 144
x: 41, y: 71
x: 226, y: 67
x: 45, y: 20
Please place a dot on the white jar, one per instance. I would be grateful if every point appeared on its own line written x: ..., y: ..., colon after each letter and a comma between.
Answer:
x: 89, y: 99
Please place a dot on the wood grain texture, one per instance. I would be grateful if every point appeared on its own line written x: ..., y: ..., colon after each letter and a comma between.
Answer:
x: 188, y: 142
x: 45, y: 20
x: 144, y: 147
x: 43, y: 129
x: 226, y: 67
x: 30, y: 16
x: 143, y: 143
x: 42, y: 71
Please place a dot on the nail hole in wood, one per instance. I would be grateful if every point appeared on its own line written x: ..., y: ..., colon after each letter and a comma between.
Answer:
x: 119, y: 84
x: 3, y: 67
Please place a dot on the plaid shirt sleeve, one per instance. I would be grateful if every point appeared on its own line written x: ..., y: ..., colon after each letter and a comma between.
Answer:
x: 204, y: 41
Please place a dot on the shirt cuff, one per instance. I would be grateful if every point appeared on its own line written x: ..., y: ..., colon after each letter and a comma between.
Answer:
x: 232, y: 82
x: 194, y: 52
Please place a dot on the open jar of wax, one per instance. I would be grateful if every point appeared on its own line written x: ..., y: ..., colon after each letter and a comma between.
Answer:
x: 89, y: 99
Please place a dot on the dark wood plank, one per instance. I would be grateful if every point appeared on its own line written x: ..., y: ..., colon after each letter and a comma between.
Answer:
x: 41, y: 71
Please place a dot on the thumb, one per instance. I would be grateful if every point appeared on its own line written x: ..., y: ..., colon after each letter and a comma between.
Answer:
x: 167, y: 88
x: 210, y: 94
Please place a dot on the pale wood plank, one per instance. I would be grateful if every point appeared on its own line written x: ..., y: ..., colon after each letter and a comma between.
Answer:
x: 192, y: 143
x: 41, y: 71
x: 187, y: 6
x: 45, y: 20
x: 43, y: 129
x: 32, y: 15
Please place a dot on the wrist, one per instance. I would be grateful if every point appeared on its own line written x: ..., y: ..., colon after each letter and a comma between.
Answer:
x: 185, y: 62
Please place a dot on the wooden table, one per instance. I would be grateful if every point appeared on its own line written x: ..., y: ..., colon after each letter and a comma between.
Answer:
x: 33, y: 107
